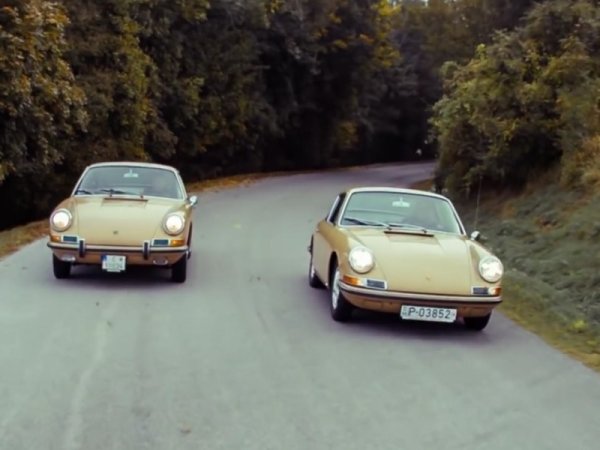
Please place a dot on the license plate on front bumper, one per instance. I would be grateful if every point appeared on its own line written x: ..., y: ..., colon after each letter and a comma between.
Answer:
x: 113, y: 263
x: 427, y: 313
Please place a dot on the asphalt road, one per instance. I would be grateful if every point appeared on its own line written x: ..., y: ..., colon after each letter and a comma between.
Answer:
x: 245, y: 356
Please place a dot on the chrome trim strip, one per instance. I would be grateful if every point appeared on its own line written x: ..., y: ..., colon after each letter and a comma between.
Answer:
x: 116, y: 248
x: 169, y: 249
x: 395, y: 295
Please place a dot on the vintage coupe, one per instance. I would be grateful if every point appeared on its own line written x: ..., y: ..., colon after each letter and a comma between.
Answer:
x: 405, y: 252
x: 124, y: 214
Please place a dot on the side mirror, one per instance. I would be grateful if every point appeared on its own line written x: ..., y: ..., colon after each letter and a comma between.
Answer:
x: 193, y: 200
x: 476, y: 236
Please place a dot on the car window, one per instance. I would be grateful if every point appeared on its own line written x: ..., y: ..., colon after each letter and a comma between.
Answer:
x: 132, y: 180
x: 335, y: 208
x: 381, y: 208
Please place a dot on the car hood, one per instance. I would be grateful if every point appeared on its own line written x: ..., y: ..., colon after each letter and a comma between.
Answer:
x: 120, y: 221
x: 434, y: 264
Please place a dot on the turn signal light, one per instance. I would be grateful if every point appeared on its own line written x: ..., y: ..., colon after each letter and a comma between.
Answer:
x: 351, y: 280
x: 495, y: 291
x: 177, y: 242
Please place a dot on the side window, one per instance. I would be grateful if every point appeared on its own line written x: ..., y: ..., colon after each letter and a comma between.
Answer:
x: 335, y: 209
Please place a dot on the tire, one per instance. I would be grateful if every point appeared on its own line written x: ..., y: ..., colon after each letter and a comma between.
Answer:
x: 341, y: 309
x: 477, y: 323
x: 61, y: 269
x: 179, y: 270
x: 313, y: 278
x: 189, y: 243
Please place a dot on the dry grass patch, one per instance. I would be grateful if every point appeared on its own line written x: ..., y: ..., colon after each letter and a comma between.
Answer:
x: 425, y: 185
x: 224, y: 183
x: 15, y: 238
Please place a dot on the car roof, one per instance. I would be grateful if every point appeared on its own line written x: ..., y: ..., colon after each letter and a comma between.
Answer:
x: 133, y: 163
x: 395, y: 190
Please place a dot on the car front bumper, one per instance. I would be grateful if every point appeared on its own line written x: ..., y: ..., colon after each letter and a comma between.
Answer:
x: 146, y: 255
x: 392, y: 301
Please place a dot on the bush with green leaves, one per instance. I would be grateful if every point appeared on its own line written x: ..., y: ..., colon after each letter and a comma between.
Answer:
x: 524, y: 103
x: 41, y: 108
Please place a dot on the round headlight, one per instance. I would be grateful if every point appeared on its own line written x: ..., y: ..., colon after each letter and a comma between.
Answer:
x: 491, y: 269
x: 361, y: 259
x: 174, y: 224
x: 61, y: 220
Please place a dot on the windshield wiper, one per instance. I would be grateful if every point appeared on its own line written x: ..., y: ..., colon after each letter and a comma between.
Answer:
x: 112, y: 192
x: 407, y: 225
x: 388, y: 226
x: 83, y: 191
x: 366, y: 222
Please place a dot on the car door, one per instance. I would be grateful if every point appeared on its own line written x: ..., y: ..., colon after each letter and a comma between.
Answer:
x: 322, y: 238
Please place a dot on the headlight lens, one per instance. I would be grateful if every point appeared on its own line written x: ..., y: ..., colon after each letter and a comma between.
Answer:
x: 491, y: 269
x: 361, y: 259
x: 174, y: 224
x: 61, y: 220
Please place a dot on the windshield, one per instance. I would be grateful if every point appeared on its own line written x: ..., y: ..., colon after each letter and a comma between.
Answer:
x: 130, y: 180
x: 401, y: 210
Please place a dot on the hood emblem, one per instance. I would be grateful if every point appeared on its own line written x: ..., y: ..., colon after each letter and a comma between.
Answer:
x: 116, y: 232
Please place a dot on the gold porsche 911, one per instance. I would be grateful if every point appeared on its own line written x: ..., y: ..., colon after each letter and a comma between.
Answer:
x: 405, y: 252
x: 124, y: 214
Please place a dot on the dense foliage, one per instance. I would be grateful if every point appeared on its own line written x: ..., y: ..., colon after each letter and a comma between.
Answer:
x: 525, y: 102
x: 217, y: 87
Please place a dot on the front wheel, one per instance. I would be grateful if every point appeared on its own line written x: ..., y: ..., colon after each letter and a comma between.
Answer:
x: 477, y: 323
x: 341, y: 309
x: 179, y: 270
x: 61, y: 269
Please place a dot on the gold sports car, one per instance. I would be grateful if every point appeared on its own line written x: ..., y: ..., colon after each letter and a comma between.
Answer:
x: 405, y: 252
x: 124, y: 214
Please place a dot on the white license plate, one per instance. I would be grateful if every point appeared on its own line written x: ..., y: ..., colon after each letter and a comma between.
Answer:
x: 427, y: 313
x: 113, y: 263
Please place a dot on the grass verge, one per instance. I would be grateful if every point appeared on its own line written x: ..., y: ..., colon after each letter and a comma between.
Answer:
x: 549, y: 241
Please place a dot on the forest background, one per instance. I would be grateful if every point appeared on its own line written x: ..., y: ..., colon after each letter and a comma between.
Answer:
x: 495, y: 90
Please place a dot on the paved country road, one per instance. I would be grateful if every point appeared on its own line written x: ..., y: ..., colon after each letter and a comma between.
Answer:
x: 245, y: 356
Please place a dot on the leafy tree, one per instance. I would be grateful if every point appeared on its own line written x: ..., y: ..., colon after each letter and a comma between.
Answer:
x: 166, y: 30
x: 218, y: 87
x: 528, y: 101
x: 328, y: 62
x: 41, y: 109
x: 115, y: 75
